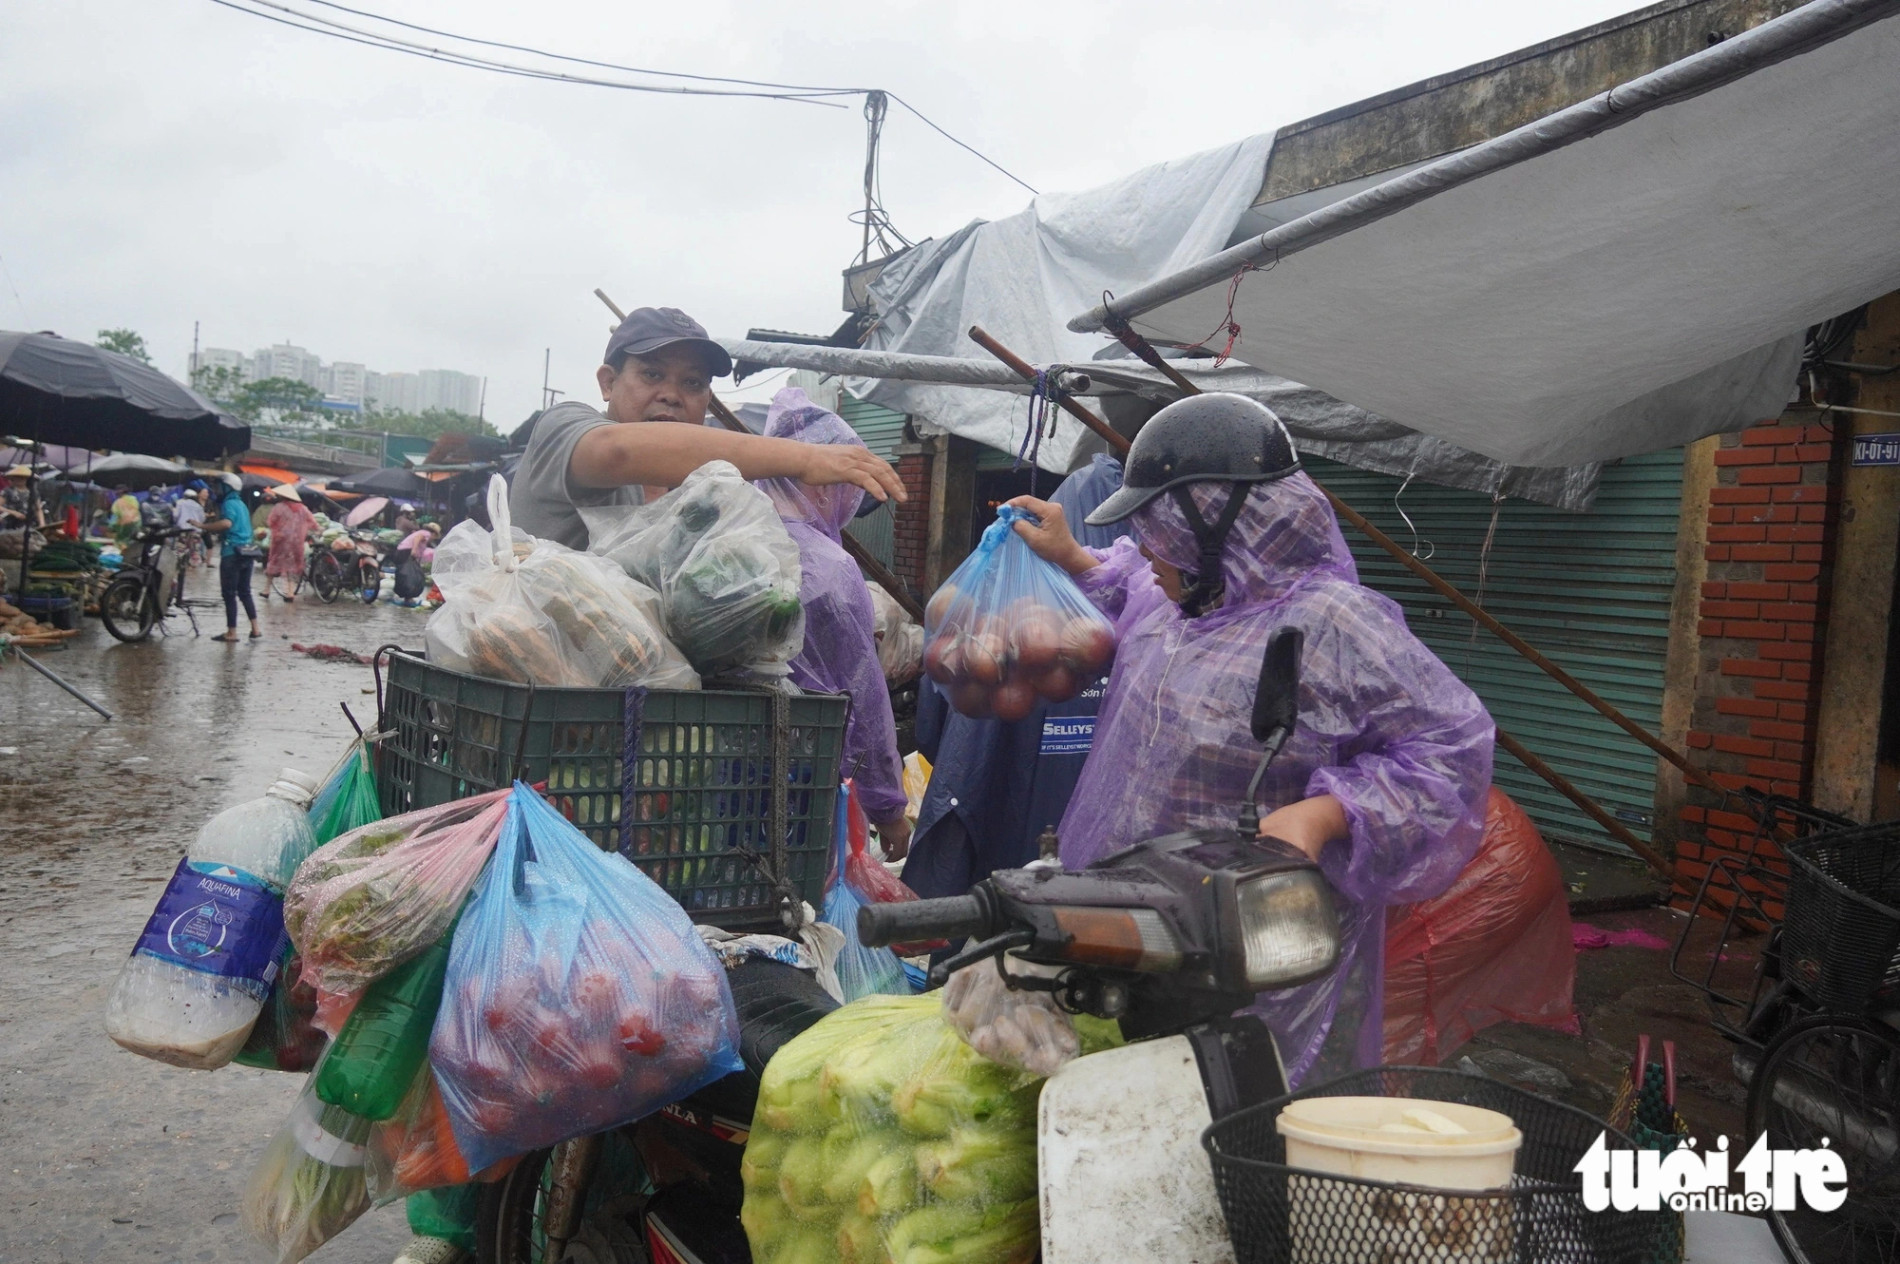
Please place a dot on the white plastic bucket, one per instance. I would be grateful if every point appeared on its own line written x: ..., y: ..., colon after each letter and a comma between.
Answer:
x: 1403, y: 1141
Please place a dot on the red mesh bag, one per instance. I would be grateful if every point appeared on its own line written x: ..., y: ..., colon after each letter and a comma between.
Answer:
x: 1495, y: 948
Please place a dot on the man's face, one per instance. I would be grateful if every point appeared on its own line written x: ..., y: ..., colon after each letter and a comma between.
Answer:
x: 671, y: 384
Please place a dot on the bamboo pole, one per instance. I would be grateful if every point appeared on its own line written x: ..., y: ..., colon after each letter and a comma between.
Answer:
x: 878, y: 572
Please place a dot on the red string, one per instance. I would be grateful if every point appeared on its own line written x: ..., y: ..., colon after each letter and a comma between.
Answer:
x: 1228, y: 325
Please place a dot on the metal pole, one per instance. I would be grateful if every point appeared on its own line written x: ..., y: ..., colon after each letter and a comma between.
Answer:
x: 53, y: 676
x: 1143, y: 348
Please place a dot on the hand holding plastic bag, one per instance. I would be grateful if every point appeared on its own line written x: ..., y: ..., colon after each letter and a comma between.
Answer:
x: 579, y: 996
x: 726, y: 570
x: 310, y: 1185
x: 536, y: 612
x: 363, y: 904
x: 1008, y: 628
x: 1016, y: 1028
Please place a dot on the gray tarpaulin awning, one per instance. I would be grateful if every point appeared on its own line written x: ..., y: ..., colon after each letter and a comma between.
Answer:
x: 1622, y: 276
x: 1323, y: 425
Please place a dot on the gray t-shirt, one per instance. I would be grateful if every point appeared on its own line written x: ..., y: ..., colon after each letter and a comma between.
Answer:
x: 543, y: 500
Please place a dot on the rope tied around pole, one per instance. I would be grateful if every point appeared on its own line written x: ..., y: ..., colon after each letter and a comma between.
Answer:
x: 1229, y: 325
x: 1044, y: 399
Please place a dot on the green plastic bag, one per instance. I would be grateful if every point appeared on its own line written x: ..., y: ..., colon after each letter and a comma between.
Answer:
x: 348, y: 800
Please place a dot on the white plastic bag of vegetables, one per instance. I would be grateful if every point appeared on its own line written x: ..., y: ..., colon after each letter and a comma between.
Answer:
x: 310, y: 1185
x: 536, y: 612
x: 726, y: 570
x: 881, y: 1136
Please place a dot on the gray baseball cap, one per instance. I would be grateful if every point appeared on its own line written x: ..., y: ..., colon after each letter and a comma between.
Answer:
x: 647, y: 329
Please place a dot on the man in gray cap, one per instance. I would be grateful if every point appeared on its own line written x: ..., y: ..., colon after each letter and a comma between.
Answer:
x: 657, y: 384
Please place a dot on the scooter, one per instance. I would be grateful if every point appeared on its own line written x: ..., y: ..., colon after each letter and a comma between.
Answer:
x: 1172, y: 937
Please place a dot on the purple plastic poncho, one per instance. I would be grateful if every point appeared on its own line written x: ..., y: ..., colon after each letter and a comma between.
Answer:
x: 840, y: 654
x: 1384, y: 726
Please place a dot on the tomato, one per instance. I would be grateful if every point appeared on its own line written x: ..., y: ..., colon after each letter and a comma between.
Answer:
x: 971, y: 699
x: 1037, y: 639
x: 599, y: 1072
x: 1013, y: 701
x: 636, y: 1036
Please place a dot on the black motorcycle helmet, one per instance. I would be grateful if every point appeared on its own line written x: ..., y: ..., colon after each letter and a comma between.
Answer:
x: 1202, y: 439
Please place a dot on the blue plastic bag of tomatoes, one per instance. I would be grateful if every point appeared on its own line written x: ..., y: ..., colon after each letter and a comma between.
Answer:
x: 1008, y: 629
x: 578, y: 995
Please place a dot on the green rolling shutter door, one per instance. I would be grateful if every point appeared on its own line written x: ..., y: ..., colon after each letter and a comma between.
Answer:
x: 882, y: 429
x: 1592, y: 591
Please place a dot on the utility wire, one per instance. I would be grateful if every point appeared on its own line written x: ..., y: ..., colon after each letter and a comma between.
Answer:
x: 372, y: 39
x: 785, y: 92
x: 578, y: 61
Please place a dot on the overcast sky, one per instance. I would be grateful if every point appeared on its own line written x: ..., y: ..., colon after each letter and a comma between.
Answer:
x: 165, y: 161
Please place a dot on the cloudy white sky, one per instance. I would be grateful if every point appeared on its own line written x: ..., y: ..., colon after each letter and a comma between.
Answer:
x: 171, y: 161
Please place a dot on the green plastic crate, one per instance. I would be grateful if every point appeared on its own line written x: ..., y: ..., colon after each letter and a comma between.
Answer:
x: 696, y: 815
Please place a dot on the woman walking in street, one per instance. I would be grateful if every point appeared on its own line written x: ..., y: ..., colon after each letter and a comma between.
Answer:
x: 290, y: 528
x: 235, y: 557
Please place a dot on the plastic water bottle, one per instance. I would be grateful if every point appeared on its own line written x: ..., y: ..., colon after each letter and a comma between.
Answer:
x: 201, y: 970
x: 386, y: 1038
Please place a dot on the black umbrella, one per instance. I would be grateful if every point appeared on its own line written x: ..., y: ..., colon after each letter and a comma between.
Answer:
x: 394, y: 483
x: 55, y: 390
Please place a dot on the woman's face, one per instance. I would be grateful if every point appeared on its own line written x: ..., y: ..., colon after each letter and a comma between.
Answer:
x: 1168, y: 577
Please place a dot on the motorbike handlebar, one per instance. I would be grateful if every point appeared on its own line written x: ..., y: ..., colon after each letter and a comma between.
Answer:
x: 955, y: 917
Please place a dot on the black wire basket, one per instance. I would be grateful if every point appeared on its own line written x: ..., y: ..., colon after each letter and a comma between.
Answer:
x: 1282, y: 1215
x: 1840, y: 930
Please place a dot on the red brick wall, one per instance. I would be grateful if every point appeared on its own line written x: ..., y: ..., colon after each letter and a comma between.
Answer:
x: 911, y: 523
x: 1771, y: 516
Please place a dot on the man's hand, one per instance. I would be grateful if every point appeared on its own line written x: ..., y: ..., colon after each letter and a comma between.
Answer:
x: 827, y: 464
x: 895, y: 835
x: 1050, y: 537
x: 1309, y: 824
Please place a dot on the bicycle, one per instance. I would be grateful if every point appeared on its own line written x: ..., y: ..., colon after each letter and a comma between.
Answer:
x: 1817, y: 1036
x: 323, y: 570
x: 147, y: 590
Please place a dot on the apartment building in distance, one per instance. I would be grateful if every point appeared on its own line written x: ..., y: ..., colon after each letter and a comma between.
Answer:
x: 349, y: 384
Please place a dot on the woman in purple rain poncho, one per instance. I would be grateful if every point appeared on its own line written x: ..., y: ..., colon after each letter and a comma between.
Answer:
x: 1384, y: 780
x: 840, y: 654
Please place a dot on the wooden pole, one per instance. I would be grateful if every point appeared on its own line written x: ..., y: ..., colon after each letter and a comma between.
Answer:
x: 1023, y: 367
x: 1611, y: 826
x: 878, y: 572
x: 1141, y: 347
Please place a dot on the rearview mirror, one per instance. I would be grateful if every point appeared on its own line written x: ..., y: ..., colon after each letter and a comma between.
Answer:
x: 1276, y: 699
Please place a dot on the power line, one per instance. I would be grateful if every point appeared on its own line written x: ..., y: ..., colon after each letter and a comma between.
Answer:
x: 372, y: 39
x: 578, y: 61
x: 811, y: 95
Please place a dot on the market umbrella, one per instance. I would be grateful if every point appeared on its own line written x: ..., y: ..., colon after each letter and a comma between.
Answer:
x: 49, y: 454
x: 56, y: 390
x: 367, y: 510
x: 316, y: 502
x: 387, y: 482
x: 125, y: 469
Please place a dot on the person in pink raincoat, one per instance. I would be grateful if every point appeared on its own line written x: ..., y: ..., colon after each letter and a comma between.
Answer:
x: 1384, y: 780
x: 291, y: 526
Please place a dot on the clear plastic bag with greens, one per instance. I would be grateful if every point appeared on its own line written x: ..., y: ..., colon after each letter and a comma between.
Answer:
x: 882, y: 1136
x: 726, y: 570
x: 310, y: 1185
x: 536, y: 612
x: 366, y: 902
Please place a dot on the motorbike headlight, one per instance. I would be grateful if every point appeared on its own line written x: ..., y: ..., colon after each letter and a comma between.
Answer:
x: 1288, y: 927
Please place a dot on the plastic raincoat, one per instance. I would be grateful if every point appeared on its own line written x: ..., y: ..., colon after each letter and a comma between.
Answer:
x: 1384, y: 726
x: 291, y: 526
x: 996, y: 785
x: 840, y: 654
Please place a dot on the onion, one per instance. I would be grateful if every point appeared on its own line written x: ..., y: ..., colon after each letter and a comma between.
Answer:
x: 1058, y: 684
x: 937, y: 656
x: 983, y: 659
x: 971, y: 699
x: 1038, y: 640
x: 1087, y: 645
x: 939, y: 606
x: 1013, y: 701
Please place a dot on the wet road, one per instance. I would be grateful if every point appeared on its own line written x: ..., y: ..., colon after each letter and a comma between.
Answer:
x: 104, y: 1155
